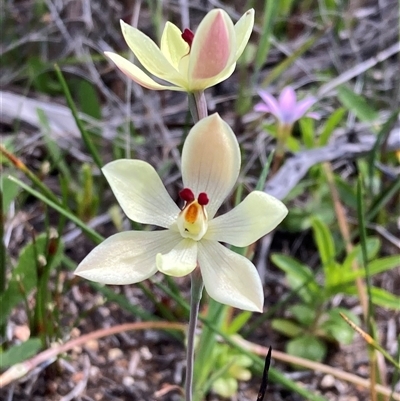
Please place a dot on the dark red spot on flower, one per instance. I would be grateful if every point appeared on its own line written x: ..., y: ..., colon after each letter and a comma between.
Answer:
x: 187, y: 195
x: 187, y: 36
x: 203, y: 199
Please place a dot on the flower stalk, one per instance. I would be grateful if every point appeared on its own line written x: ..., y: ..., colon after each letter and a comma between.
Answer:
x: 198, y: 109
x: 195, y: 298
x: 197, y: 105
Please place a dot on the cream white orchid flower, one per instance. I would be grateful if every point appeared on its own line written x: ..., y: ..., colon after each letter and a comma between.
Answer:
x: 190, y: 62
x: 210, y: 168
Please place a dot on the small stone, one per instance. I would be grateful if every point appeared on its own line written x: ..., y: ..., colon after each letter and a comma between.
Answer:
x: 94, y: 371
x: 327, y: 381
x: 128, y: 381
x: 92, y: 345
x: 145, y: 353
x: 22, y: 333
x: 114, y: 353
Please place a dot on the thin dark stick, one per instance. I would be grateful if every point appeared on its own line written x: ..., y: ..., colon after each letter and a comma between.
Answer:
x: 264, y: 380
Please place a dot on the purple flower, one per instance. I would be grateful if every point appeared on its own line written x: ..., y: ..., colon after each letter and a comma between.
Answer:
x: 286, y: 108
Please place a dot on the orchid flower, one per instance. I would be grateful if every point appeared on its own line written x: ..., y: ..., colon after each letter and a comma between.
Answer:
x: 192, y: 235
x: 286, y: 109
x: 190, y: 62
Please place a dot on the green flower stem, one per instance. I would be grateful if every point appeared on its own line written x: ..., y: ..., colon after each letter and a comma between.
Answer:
x: 195, y: 297
x: 198, y: 109
x: 283, y: 133
x: 197, y: 105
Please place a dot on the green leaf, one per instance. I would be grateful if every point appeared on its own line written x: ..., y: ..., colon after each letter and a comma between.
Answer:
x: 332, y: 122
x: 307, y: 132
x: 264, y: 174
x: 326, y: 248
x: 380, y: 140
x: 270, y: 14
x: 346, y: 191
x: 303, y: 314
x: 24, y: 277
x: 373, y: 245
x: 382, y: 199
x: 380, y: 297
x: 293, y: 144
x: 286, y: 327
x: 238, y: 322
x: 9, y: 190
x: 336, y: 328
x: 20, y: 353
x: 357, y: 104
x: 88, y: 99
x: 308, y: 347
x: 324, y: 240
x: 375, y: 267
x: 300, y: 277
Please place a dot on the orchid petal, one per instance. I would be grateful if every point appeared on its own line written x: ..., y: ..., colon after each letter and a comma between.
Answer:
x: 180, y: 261
x: 271, y: 102
x: 230, y: 278
x: 211, y: 161
x: 140, y: 192
x: 201, y: 84
x: 302, y: 107
x: 287, y: 101
x: 213, y: 47
x: 257, y: 215
x: 127, y: 257
x: 150, y: 56
x: 243, y: 30
x: 137, y: 75
x: 172, y: 45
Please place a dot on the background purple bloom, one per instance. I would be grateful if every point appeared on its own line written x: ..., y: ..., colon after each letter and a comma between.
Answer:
x: 286, y: 109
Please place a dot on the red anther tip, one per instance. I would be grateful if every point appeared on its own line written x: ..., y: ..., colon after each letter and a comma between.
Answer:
x: 187, y: 195
x: 202, y: 199
x: 187, y: 36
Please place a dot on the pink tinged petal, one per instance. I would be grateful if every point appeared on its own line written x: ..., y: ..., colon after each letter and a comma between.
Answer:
x: 262, y: 108
x: 172, y: 45
x: 137, y: 75
x: 211, y: 161
x: 150, y: 56
x: 180, y: 261
x: 271, y: 103
x: 127, y: 257
x: 230, y: 278
x: 315, y: 116
x: 243, y: 29
x: 302, y: 107
x: 201, y: 84
x: 257, y: 215
x: 213, y: 47
x: 140, y: 192
x: 287, y: 102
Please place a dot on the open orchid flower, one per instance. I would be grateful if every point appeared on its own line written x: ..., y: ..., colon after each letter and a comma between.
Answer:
x: 192, y: 235
x: 190, y: 62
x: 286, y: 109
